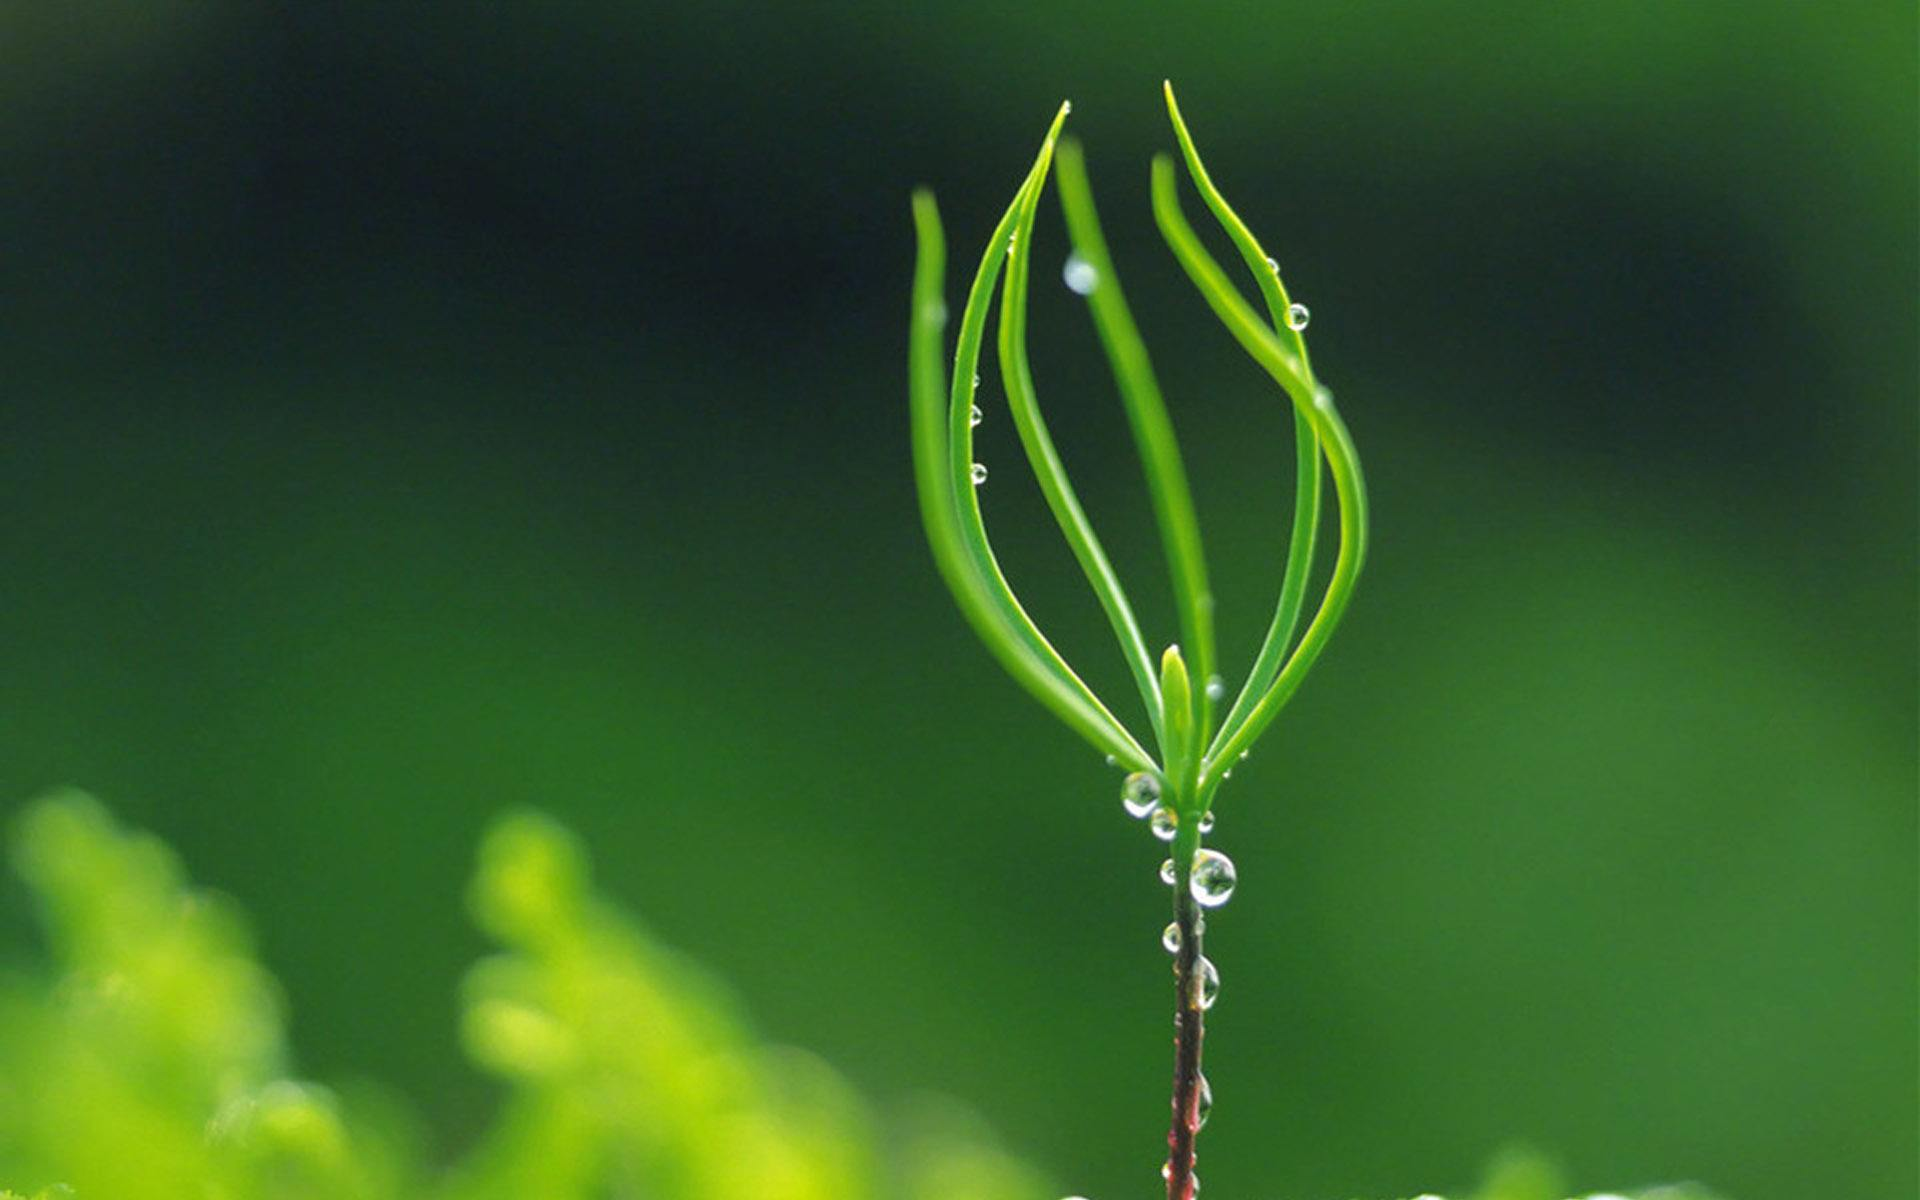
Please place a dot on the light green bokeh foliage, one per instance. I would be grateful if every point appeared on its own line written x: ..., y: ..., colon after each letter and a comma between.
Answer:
x: 150, y: 1059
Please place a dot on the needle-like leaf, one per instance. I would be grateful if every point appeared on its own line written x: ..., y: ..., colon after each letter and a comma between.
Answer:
x: 1017, y: 375
x: 1306, y: 503
x: 954, y: 530
x: 1313, y: 402
x: 1147, y: 415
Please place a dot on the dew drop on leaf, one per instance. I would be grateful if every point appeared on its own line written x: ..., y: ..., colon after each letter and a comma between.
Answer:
x: 1080, y: 275
x: 1140, y: 795
x: 1297, y: 317
x: 979, y: 474
x: 1213, y: 879
x: 1216, y: 687
x: 1206, y: 821
x: 1164, y: 823
x: 1166, y: 873
x: 1170, y: 938
x: 975, y: 416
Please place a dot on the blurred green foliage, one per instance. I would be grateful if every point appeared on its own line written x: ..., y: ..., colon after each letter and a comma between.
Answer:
x: 149, y: 1062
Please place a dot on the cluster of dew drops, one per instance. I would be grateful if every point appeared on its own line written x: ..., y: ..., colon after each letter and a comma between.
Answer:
x: 1081, y: 278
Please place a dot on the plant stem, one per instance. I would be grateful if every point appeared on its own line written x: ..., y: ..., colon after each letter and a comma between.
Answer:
x: 1189, y: 1018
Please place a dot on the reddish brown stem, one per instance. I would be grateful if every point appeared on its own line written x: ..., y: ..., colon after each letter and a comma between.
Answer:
x: 1189, y: 1029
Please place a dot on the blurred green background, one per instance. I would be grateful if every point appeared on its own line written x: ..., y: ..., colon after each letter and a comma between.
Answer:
x: 411, y: 411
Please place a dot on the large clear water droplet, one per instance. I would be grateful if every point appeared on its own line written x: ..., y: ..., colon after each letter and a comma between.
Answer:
x: 1170, y: 938
x: 1213, y: 879
x: 1080, y: 275
x: 975, y: 416
x: 1167, y: 875
x: 1204, y: 1108
x: 1140, y: 795
x: 1165, y: 823
x: 978, y: 474
x: 1297, y: 317
x: 1206, y: 984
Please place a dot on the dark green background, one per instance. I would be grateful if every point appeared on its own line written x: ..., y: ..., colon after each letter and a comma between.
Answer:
x: 410, y: 411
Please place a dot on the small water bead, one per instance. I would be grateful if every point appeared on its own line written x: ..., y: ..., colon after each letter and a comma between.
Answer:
x: 975, y: 416
x: 1170, y: 938
x: 1212, y: 880
x: 1204, y: 1108
x: 976, y: 383
x: 1297, y: 317
x: 1322, y: 398
x: 1166, y: 873
x: 1080, y: 275
x: 1273, y: 264
x: 1165, y: 823
x: 1112, y: 761
x: 1206, y: 984
x: 1216, y: 687
x: 979, y: 474
x: 1206, y: 819
x: 1139, y: 794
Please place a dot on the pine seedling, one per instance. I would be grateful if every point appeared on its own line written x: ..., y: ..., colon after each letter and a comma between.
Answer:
x: 1175, y: 774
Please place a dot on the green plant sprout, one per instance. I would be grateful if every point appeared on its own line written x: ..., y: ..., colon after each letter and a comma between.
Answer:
x: 1195, y: 747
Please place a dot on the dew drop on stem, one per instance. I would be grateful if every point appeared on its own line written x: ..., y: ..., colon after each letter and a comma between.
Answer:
x: 1170, y: 938
x: 975, y: 416
x: 1297, y: 317
x: 1213, y: 879
x: 1165, y: 823
x: 1140, y: 795
x: 1166, y: 873
x: 978, y: 474
x: 1206, y: 984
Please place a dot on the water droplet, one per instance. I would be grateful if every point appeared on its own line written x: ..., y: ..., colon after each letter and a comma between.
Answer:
x: 1081, y: 276
x: 1297, y: 317
x: 1140, y: 795
x: 1204, y: 1107
x: 1066, y: 106
x: 975, y: 416
x: 1166, y: 873
x: 1322, y: 398
x: 1227, y: 774
x: 1212, y: 880
x: 979, y: 474
x: 936, y: 311
x: 1216, y: 687
x: 1166, y: 1169
x: 1244, y: 754
x: 1112, y: 761
x: 1165, y: 823
x: 976, y: 383
x: 1273, y: 264
x: 1206, y: 984
x: 1170, y: 937
x: 1206, y: 820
